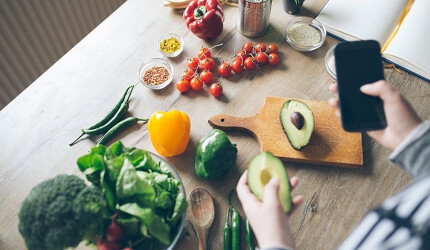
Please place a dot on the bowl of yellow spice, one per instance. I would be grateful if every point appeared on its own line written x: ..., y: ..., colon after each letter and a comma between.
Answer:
x: 171, y: 45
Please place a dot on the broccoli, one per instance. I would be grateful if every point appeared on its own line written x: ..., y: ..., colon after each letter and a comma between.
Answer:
x: 60, y: 212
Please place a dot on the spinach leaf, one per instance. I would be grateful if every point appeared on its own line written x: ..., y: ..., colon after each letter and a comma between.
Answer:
x: 151, y: 221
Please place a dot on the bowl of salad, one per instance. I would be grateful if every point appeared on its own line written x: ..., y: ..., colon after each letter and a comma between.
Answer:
x: 145, y: 196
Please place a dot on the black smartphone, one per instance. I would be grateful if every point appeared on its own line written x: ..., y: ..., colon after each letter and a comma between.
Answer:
x: 359, y: 63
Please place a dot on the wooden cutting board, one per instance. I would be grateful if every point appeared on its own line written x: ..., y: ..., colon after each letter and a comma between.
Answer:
x: 329, y: 143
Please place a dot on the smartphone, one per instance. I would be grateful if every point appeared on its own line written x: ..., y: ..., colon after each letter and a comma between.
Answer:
x: 358, y: 63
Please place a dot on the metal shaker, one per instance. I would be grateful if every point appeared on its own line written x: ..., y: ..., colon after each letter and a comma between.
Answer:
x: 253, y: 17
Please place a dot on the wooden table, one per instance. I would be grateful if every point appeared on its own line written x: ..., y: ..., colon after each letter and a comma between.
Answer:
x: 36, y: 128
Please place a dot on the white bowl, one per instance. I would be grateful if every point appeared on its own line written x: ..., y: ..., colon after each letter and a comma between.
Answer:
x: 171, y: 36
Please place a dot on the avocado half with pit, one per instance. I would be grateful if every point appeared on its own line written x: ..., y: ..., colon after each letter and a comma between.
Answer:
x: 261, y: 169
x: 297, y: 122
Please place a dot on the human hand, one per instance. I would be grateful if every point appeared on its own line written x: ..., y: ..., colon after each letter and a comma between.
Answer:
x: 268, y: 220
x: 401, y: 118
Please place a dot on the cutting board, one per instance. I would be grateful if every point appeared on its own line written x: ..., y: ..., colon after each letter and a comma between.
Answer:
x: 329, y: 143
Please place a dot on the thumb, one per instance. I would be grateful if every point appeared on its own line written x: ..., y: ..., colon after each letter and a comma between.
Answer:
x: 271, y: 190
x: 379, y: 88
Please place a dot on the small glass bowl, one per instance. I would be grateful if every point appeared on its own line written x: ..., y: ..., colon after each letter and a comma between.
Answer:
x: 305, y: 33
x: 149, y: 65
x: 330, y: 64
x: 170, y: 36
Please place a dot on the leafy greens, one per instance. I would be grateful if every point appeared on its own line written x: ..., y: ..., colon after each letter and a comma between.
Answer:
x: 144, y: 192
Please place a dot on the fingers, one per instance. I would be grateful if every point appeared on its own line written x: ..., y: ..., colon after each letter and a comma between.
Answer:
x: 271, y: 191
x: 294, y: 181
x: 333, y: 88
x: 334, y: 102
x: 297, y: 201
x: 243, y: 192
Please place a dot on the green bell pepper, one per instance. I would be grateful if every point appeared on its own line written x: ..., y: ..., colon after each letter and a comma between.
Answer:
x: 215, y: 155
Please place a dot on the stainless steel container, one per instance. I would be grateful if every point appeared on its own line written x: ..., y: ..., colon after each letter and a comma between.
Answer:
x: 253, y: 17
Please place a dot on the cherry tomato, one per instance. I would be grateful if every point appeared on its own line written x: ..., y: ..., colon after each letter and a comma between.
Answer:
x: 260, y: 47
x: 224, y: 69
x: 248, y: 47
x: 236, y: 66
x: 261, y: 58
x: 273, y: 58
x: 204, y: 53
x: 193, y: 63
x: 183, y: 85
x: 241, y: 54
x: 216, y: 89
x: 188, y: 74
x: 250, y: 63
x: 272, y: 48
x: 207, y: 64
x: 196, y: 84
x: 206, y: 76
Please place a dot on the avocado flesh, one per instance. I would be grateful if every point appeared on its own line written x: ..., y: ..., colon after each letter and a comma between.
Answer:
x: 261, y: 169
x: 298, y: 138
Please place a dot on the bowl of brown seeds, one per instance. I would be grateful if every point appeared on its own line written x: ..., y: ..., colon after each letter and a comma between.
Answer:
x: 156, y: 73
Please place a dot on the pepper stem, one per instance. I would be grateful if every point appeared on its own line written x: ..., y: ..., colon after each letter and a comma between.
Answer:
x: 199, y: 12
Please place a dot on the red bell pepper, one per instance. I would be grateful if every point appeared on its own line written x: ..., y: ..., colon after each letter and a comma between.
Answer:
x: 204, y: 18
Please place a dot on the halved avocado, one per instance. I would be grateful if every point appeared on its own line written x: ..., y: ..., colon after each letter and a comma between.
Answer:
x: 261, y: 169
x: 297, y: 122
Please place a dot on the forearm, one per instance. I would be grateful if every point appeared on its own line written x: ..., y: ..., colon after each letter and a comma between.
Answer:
x: 413, y: 154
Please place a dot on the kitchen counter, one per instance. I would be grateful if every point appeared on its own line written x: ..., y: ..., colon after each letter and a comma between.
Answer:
x: 37, y: 127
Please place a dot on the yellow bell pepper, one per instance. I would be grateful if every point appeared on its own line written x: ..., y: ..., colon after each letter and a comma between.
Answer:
x: 169, y: 132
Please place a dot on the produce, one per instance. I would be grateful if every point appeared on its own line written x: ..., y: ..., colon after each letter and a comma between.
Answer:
x: 143, y: 197
x: 60, y: 212
x: 249, y: 57
x: 169, y: 132
x: 297, y: 121
x: 118, y: 128
x: 216, y: 89
x: 183, y: 85
x: 261, y: 169
x: 198, y: 72
x: 236, y: 235
x: 114, y: 115
x: 204, y: 18
x: 215, y: 155
x: 249, y: 234
x: 227, y: 230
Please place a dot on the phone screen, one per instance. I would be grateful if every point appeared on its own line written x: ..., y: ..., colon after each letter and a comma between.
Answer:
x: 359, y: 63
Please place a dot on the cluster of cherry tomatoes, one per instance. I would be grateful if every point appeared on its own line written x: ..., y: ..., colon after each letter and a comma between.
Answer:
x: 249, y: 57
x: 199, y: 72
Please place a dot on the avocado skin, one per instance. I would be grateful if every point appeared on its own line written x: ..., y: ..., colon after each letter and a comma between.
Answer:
x: 261, y: 169
x: 298, y: 138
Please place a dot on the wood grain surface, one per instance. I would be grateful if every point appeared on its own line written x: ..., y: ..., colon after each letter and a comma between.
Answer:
x: 329, y: 143
x: 36, y: 127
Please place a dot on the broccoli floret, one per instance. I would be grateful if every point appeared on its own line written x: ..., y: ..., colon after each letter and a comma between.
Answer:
x: 59, y: 212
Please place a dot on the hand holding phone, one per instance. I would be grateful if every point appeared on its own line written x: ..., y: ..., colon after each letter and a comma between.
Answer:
x: 359, y: 63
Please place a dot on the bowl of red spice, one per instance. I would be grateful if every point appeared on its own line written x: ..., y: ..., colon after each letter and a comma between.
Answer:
x: 156, y: 73
x: 305, y: 33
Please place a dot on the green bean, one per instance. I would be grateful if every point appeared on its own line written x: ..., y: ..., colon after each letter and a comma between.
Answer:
x: 227, y: 231
x: 113, y: 113
x: 249, y: 235
x: 119, y: 127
